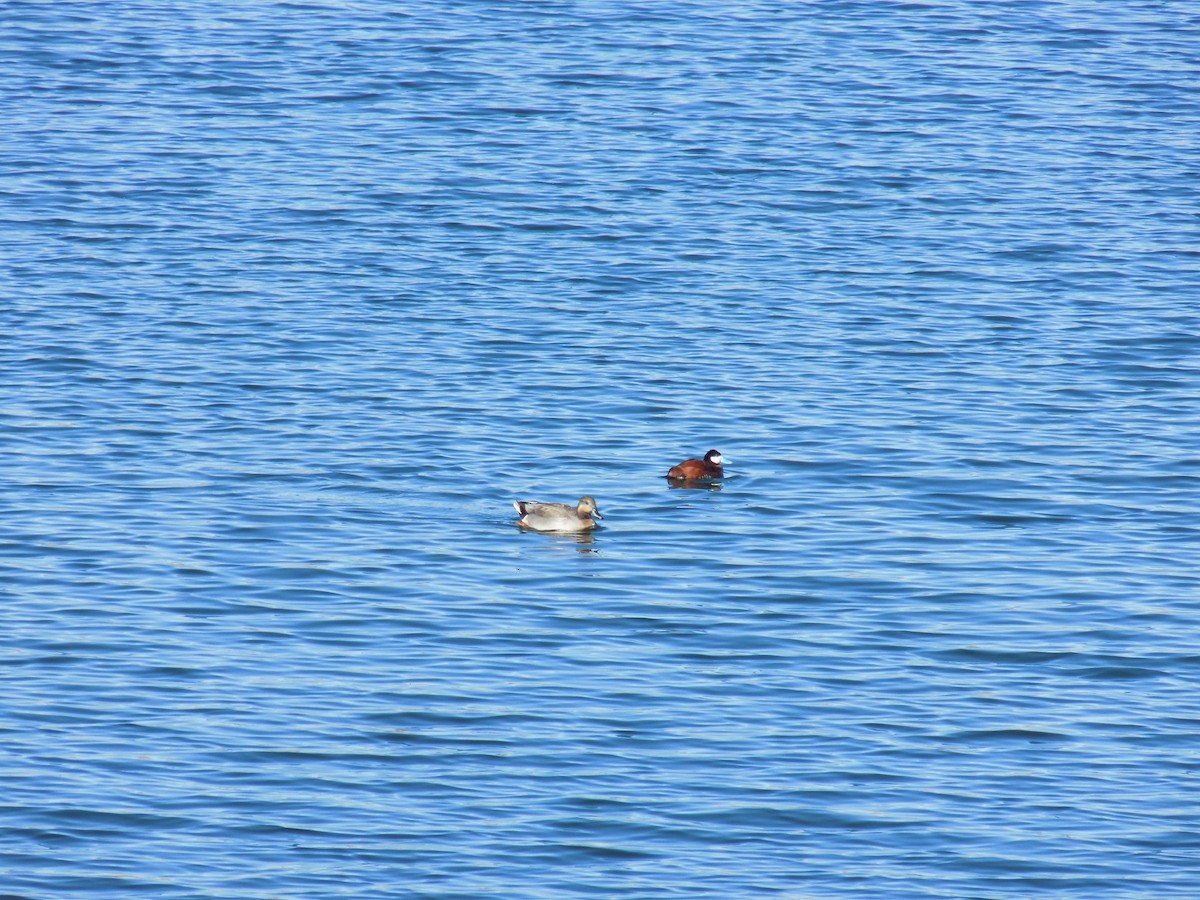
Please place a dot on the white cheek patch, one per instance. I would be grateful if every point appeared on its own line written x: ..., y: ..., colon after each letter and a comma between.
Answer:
x: 718, y: 459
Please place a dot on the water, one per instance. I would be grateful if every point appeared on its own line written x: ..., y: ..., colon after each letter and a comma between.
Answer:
x: 298, y: 297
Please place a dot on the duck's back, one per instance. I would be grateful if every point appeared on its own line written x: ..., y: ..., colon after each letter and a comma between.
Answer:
x: 534, y: 508
x: 694, y: 469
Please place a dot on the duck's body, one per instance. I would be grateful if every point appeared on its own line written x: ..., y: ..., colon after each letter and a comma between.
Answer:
x: 707, y: 469
x: 558, y: 516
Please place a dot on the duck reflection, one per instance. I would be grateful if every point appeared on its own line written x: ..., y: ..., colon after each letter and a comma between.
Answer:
x: 695, y: 485
x: 584, y: 541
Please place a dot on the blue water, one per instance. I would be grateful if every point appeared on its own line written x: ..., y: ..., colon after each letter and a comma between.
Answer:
x: 297, y: 297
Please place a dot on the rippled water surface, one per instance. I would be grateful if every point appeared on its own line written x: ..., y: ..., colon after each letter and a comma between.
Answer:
x: 298, y: 297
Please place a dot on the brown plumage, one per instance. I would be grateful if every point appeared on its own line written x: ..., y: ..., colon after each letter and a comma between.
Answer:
x: 705, y: 469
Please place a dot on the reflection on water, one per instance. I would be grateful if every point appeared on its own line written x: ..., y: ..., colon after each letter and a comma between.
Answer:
x: 580, y: 537
x: 695, y: 485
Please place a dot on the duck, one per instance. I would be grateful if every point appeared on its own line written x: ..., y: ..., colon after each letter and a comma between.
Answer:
x: 558, y: 516
x: 706, y: 469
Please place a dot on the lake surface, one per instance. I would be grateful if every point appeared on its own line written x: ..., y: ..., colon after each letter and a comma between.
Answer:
x: 299, y: 297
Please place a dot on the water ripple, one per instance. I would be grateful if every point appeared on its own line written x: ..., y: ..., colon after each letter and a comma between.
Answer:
x: 300, y: 297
